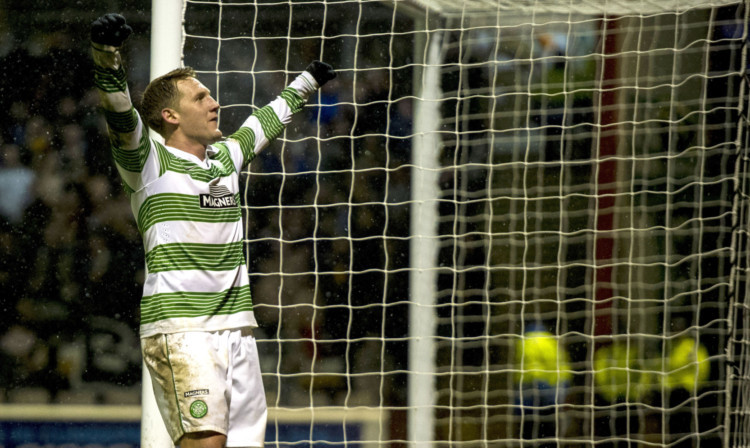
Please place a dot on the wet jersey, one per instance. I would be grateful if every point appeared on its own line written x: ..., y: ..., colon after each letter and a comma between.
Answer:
x: 188, y: 210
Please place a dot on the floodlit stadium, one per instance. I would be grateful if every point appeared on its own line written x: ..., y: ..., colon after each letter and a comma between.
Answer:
x: 503, y: 224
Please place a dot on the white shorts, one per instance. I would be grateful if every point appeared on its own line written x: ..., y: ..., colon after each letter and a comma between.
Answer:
x: 208, y: 381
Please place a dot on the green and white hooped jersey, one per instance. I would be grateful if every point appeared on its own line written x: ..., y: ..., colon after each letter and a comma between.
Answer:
x: 187, y: 210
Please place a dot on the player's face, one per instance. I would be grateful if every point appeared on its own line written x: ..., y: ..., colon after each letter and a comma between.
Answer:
x: 199, y: 112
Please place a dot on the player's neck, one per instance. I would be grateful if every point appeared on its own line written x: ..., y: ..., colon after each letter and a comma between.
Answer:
x: 189, y: 146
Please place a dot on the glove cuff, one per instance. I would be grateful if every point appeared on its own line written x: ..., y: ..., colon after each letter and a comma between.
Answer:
x: 305, y: 84
x: 104, y: 47
x: 106, y: 55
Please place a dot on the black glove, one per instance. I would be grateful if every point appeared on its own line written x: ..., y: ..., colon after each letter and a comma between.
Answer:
x: 321, y: 71
x: 110, y: 29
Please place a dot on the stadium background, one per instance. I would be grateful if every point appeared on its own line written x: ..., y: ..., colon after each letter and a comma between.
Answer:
x: 71, y: 256
x: 71, y: 262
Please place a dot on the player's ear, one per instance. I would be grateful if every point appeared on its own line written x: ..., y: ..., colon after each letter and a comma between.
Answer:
x: 170, y: 116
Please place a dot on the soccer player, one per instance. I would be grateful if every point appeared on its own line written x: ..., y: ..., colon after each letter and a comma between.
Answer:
x: 196, y: 310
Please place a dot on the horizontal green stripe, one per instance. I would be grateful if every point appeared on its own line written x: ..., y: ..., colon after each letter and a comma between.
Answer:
x: 246, y: 138
x: 110, y: 80
x: 162, y: 154
x: 222, y: 156
x: 122, y: 121
x: 293, y: 99
x: 195, y: 256
x: 131, y: 160
x: 170, y: 162
x: 165, y: 207
x: 269, y: 121
x: 195, y: 304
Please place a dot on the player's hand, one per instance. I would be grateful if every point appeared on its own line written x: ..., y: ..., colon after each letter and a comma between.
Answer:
x: 321, y: 71
x: 110, y: 29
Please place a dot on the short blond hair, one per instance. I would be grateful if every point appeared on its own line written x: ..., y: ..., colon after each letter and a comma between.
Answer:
x: 161, y: 93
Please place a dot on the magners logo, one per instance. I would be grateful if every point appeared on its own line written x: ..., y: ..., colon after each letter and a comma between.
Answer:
x: 218, y: 196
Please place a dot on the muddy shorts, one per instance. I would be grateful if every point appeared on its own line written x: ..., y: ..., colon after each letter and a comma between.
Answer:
x: 208, y: 381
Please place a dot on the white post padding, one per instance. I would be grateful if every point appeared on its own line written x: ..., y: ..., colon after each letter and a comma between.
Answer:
x: 424, y: 251
x: 166, y: 36
x: 153, y: 431
x: 166, y: 55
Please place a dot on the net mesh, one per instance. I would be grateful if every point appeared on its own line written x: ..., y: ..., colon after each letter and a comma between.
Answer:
x: 591, y: 203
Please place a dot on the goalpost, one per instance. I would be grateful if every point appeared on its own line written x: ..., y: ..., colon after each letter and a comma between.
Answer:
x: 505, y: 223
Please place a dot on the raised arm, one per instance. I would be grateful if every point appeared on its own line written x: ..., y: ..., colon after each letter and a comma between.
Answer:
x: 128, y: 136
x: 268, y: 122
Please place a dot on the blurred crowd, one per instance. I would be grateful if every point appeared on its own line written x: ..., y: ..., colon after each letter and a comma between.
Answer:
x: 70, y: 250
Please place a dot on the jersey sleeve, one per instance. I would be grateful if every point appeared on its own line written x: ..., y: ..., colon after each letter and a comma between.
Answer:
x: 268, y: 122
x: 128, y: 136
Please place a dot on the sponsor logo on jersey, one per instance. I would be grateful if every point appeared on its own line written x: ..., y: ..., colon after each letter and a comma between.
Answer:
x: 208, y: 201
x: 195, y: 393
x: 218, y: 196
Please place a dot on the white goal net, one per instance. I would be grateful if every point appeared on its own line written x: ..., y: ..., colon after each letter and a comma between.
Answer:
x: 505, y: 223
